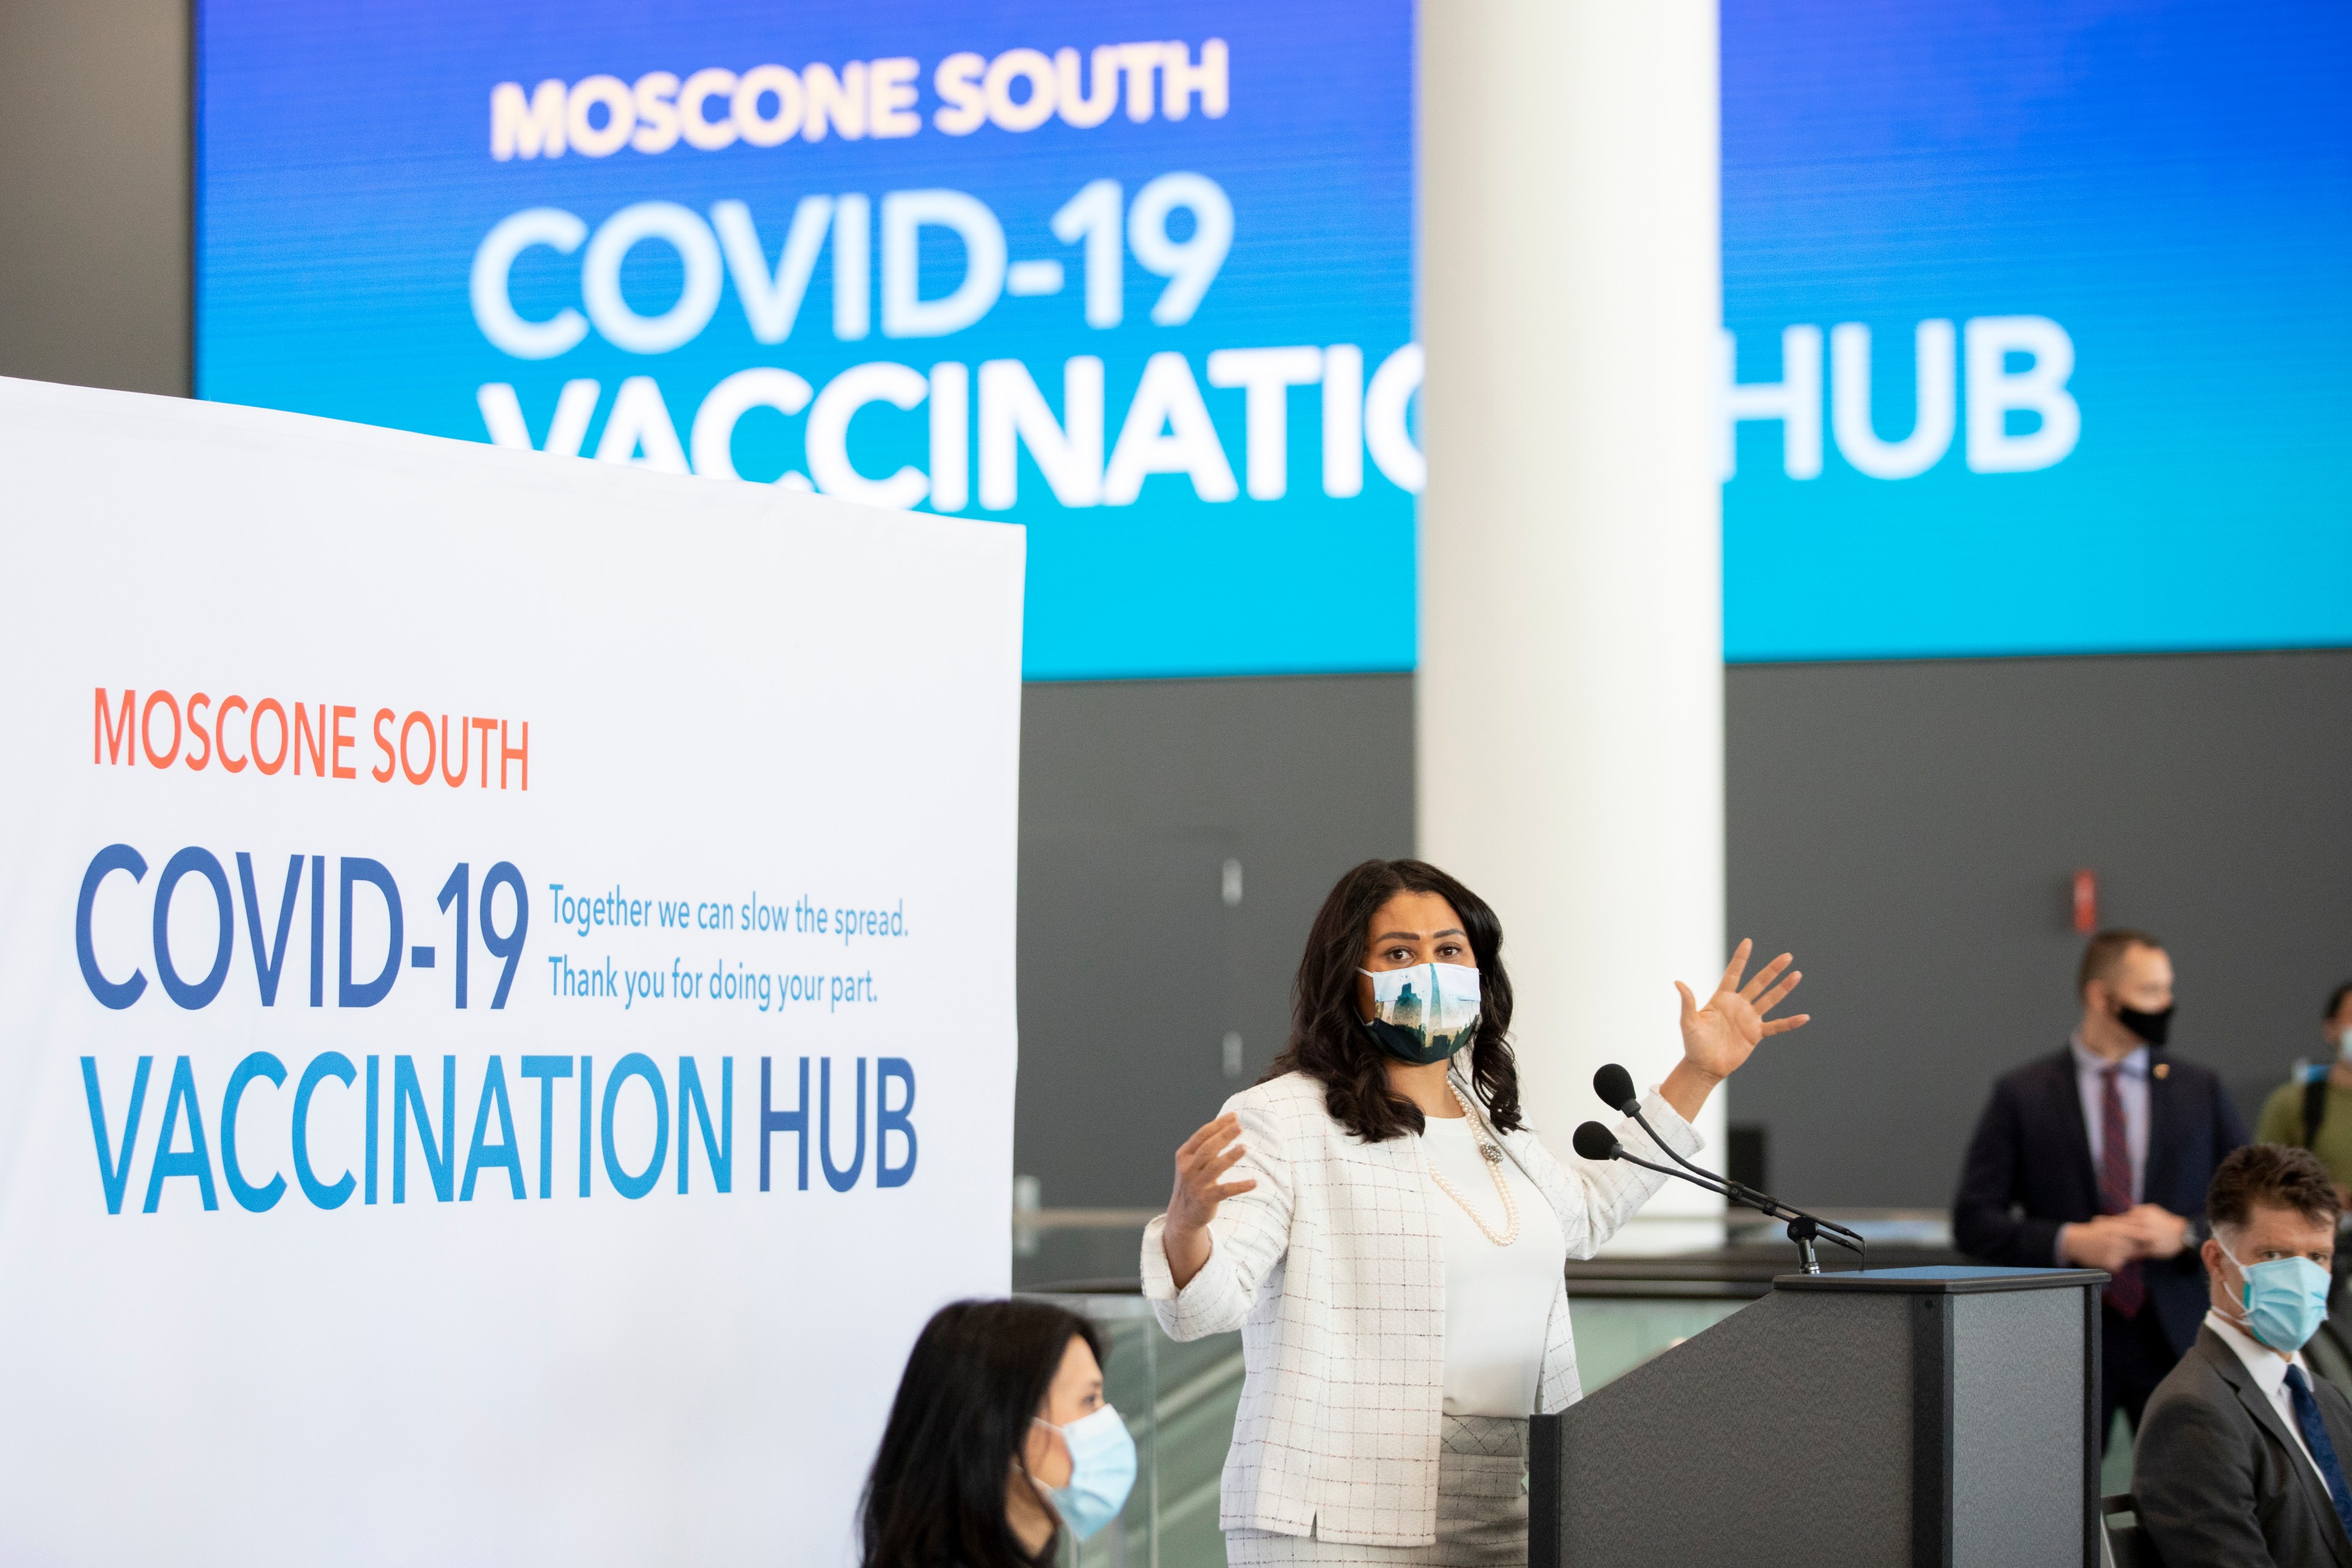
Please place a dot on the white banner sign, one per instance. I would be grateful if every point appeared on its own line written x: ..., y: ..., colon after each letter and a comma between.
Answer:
x: 506, y: 992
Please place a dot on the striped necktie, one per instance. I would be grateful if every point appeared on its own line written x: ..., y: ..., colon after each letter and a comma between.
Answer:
x: 2127, y: 1293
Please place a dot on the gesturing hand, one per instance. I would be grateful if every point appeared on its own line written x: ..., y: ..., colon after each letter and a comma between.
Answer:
x: 1203, y: 1159
x: 1718, y: 1037
x: 1201, y: 1162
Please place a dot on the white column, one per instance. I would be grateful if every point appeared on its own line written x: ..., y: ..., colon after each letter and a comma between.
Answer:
x: 1570, y: 688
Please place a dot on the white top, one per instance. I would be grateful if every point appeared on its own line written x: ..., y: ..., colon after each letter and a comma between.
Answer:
x: 2269, y: 1370
x: 1497, y: 1298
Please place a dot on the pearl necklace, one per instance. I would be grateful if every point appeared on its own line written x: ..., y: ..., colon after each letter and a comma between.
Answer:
x: 1494, y: 1157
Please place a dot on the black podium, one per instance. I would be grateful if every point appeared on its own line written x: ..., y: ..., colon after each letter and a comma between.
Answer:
x: 1932, y: 1417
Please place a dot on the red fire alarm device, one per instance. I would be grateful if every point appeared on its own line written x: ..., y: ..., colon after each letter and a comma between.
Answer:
x: 2087, y: 901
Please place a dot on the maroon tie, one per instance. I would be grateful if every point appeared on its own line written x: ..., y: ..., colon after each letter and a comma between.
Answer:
x: 2128, y: 1292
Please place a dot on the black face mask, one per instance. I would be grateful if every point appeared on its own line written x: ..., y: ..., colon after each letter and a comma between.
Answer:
x: 2153, y: 1027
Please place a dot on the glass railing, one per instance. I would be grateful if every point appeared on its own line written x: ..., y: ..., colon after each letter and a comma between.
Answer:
x: 1180, y: 1400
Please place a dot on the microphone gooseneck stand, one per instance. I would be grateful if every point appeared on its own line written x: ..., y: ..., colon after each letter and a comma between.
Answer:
x: 1615, y: 1085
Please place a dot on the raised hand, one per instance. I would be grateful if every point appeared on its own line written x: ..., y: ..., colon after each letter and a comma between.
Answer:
x: 1201, y: 1165
x: 1202, y: 1160
x: 1720, y: 1037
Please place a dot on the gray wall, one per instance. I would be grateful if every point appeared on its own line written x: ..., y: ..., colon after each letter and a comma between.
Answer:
x: 94, y: 192
x: 1133, y: 967
x: 1910, y: 831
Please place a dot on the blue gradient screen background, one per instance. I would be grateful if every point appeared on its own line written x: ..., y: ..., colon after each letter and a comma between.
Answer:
x: 2172, y: 183
x: 344, y: 180
x: 2169, y: 183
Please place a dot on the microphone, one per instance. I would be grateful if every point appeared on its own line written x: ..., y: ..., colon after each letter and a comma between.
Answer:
x: 1595, y: 1141
x: 1615, y: 1085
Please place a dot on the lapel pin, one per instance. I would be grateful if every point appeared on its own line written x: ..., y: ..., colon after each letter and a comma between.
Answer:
x: 2163, y: 1069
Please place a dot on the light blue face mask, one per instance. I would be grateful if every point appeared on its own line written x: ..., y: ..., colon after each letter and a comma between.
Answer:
x: 2285, y: 1299
x: 1102, y: 1471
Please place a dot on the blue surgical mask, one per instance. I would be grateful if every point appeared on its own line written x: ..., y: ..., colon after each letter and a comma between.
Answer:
x: 1102, y: 1471
x: 1424, y: 1014
x: 2285, y: 1299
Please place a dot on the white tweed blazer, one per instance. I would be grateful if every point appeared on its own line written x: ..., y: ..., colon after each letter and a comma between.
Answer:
x: 1334, y: 1270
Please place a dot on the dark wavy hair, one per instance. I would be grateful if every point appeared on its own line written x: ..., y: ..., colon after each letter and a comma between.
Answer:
x: 1328, y: 1041
x: 975, y: 1380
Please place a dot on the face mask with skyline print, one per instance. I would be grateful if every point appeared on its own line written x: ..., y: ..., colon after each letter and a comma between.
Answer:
x: 1426, y: 1013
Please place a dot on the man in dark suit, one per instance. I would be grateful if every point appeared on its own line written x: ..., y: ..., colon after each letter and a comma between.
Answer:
x: 2098, y: 1157
x: 2239, y: 1462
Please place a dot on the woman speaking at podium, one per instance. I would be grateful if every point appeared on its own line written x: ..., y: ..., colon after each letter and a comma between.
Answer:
x: 1388, y: 1236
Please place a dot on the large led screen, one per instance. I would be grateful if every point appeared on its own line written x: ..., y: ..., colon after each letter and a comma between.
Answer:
x: 2041, y: 321
x: 2035, y: 318
x: 1137, y: 276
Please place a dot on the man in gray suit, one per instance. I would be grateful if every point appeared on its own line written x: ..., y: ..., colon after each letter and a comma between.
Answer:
x: 2241, y: 1455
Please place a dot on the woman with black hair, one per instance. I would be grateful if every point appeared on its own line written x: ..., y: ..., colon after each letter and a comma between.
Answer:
x: 999, y: 1439
x: 1388, y: 1236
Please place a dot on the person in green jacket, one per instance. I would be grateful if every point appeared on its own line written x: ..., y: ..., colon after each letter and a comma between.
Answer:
x: 2315, y: 1111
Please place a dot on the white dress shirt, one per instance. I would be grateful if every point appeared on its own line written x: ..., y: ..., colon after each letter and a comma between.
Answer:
x: 1497, y: 1298
x: 2131, y: 1087
x: 2269, y: 1371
